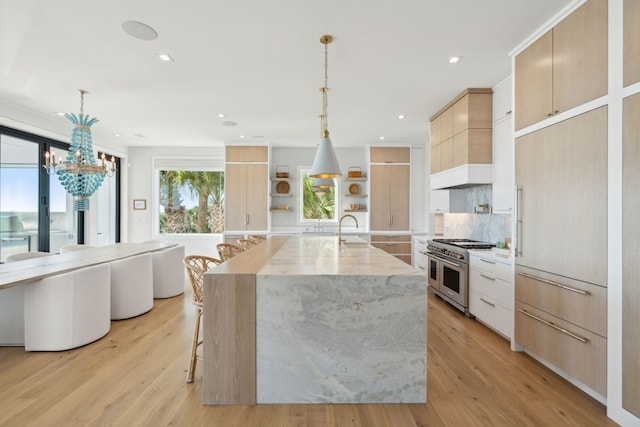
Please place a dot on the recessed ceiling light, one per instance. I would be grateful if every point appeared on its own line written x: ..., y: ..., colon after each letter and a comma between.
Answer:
x: 381, y: 138
x: 60, y: 114
x: 241, y: 136
x: 165, y: 57
x: 221, y: 115
x: 229, y: 124
x: 401, y: 117
x: 117, y: 135
x: 454, y: 59
x: 139, y: 30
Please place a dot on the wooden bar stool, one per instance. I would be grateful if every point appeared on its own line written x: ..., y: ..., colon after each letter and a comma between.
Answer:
x: 196, y: 266
x: 228, y: 250
x: 247, y: 243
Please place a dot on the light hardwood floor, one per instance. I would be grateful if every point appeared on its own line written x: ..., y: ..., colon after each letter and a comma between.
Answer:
x: 135, y: 376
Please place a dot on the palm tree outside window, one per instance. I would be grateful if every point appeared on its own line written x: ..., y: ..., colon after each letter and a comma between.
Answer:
x: 191, y: 201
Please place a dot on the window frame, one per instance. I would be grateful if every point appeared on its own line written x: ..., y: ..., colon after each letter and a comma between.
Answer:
x: 300, y: 202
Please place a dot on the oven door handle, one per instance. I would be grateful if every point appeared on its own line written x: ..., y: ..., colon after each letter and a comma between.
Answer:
x: 445, y: 260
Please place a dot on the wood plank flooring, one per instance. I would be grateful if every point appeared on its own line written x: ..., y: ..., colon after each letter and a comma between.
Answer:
x: 135, y: 376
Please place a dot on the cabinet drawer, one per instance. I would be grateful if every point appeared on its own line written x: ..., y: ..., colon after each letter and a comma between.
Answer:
x: 492, y: 313
x: 580, y: 303
x: 420, y: 245
x: 390, y: 238
x: 492, y: 267
x: 580, y: 353
x: 394, y: 247
x: 494, y: 287
x: 420, y: 260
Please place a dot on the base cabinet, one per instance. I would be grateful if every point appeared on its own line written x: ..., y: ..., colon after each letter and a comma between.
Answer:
x: 397, y: 245
x: 491, y: 293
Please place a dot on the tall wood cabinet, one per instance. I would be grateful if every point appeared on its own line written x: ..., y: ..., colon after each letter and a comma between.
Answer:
x: 561, y: 245
x: 246, y: 182
x: 565, y: 67
x: 631, y: 46
x: 631, y: 255
x: 389, y: 177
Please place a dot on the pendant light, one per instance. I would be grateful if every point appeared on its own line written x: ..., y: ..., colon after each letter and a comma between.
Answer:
x: 325, y: 164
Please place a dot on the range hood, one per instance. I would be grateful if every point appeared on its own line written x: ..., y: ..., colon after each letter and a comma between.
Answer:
x: 463, y: 176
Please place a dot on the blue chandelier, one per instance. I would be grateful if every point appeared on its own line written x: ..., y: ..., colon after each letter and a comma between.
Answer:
x: 79, y: 173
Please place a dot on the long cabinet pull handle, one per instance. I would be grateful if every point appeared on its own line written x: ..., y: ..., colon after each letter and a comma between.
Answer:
x: 487, y: 302
x: 487, y: 261
x: 421, y: 267
x: 518, y: 242
x: 487, y: 277
x: 556, y: 284
x: 558, y: 328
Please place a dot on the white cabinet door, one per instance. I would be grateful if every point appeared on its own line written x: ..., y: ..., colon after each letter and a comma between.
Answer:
x: 446, y: 201
x: 503, y: 174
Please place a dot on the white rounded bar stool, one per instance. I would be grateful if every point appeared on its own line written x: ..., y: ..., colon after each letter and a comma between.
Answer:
x: 131, y: 286
x: 12, y: 306
x: 168, y: 272
x: 67, y: 310
x: 26, y: 255
x: 72, y: 248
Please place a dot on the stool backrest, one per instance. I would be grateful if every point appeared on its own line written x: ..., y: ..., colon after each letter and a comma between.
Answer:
x: 196, y: 266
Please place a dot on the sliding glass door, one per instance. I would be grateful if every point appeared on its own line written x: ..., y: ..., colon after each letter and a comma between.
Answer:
x: 19, y: 201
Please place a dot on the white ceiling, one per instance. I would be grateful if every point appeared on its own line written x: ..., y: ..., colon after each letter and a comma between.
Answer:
x: 260, y: 62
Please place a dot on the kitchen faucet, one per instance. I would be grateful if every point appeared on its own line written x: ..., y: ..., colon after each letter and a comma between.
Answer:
x: 340, y: 226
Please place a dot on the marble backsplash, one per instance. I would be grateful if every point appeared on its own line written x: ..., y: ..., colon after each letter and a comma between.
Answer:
x: 487, y: 228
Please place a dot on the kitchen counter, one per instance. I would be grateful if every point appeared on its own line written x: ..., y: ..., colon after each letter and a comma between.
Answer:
x: 500, y: 255
x: 305, y: 320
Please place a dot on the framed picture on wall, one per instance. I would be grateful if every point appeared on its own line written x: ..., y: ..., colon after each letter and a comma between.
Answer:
x: 140, y: 204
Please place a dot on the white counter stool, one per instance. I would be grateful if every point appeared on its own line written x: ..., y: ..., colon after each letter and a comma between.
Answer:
x: 26, y: 255
x: 12, y: 306
x: 168, y: 272
x: 131, y: 286
x: 72, y: 248
x: 67, y: 310
x: 196, y: 266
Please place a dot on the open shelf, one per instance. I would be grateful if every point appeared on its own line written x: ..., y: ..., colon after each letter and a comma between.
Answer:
x: 356, y: 195
x: 281, y: 194
x: 364, y: 178
x: 282, y: 179
x: 356, y: 210
x: 275, y: 209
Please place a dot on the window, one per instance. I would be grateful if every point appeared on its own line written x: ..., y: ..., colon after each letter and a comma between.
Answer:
x: 191, y: 201
x: 316, y: 206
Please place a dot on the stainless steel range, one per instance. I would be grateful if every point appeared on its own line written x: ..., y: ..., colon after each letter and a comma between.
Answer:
x: 448, y: 269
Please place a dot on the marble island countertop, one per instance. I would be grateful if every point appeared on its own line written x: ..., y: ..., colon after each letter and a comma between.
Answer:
x: 311, y: 255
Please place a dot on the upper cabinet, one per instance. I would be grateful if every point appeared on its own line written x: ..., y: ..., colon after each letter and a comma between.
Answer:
x: 246, y: 181
x: 631, y: 45
x: 389, y: 175
x: 503, y: 182
x: 565, y: 67
x: 461, y: 131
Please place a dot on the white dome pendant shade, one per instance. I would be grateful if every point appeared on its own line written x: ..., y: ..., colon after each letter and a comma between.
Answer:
x: 325, y: 164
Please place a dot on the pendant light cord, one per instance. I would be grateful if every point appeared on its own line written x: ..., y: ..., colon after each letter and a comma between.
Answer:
x: 325, y: 90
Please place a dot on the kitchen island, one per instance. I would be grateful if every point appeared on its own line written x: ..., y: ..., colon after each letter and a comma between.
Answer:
x: 306, y: 320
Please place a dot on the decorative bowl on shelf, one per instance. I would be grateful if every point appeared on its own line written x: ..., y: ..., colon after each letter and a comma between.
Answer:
x: 354, y: 206
x: 354, y: 189
x: 281, y: 207
x: 354, y: 172
x: 282, y: 187
x: 282, y: 172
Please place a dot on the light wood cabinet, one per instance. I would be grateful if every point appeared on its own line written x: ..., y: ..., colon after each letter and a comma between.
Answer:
x: 397, y: 245
x: 577, y: 351
x: 390, y: 189
x: 631, y: 43
x: 561, y: 173
x: 503, y: 179
x: 389, y: 155
x: 561, y: 246
x: 463, y: 131
x: 246, y: 188
x: 631, y: 255
x: 564, y: 68
x: 389, y: 197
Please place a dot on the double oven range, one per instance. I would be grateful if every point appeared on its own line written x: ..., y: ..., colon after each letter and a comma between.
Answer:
x: 448, y: 269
